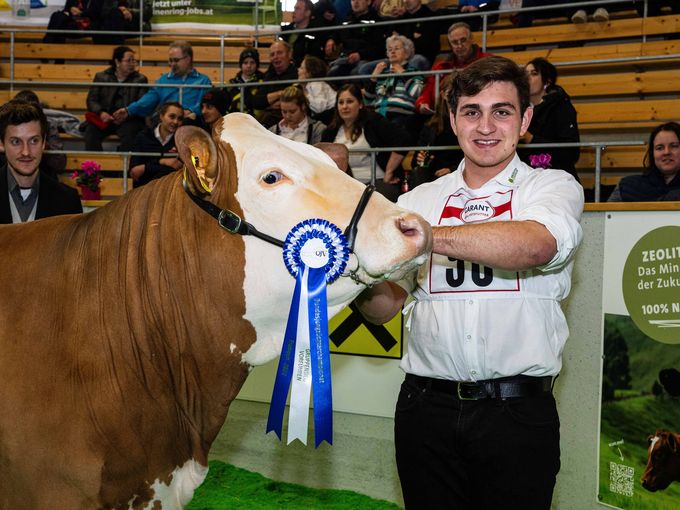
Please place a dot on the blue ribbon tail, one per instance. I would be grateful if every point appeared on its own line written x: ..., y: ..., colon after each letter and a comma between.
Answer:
x: 284, y: 373
x: 320, y: 357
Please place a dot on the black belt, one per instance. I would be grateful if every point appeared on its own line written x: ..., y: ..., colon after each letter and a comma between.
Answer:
x: 505, y: 387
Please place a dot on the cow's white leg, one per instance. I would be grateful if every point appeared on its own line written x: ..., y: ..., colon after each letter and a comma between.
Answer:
x: 183, y: 482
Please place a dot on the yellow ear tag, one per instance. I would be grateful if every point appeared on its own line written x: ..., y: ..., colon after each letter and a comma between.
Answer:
x: 196, y: 161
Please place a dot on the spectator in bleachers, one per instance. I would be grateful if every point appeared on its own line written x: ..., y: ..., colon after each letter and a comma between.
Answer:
x: 296, y: 123
x: 50, y: 164
x: 554, y: 118
x: 214, y: 106
x: 660, y: 179
x: 76, y: 15
x: 105, y: 15
x: 470, y: 6
x: 302, y: 43
x: 437, y: 132
x: 655, y: 7
x: 249, y: 62
x: 103, y: 101
x: 464, y: 52
x: 122, y: 16
x: 320, y: 94
x: 159, y: 139
x: 358, y: 128
x: 281, y: 67
x: 358, y: 45
x: 526, y: 19
x: 182, y: 72
x: 597, y: 13
x: 26, y: 193
x: 395, y: 97
x: 425, y: 39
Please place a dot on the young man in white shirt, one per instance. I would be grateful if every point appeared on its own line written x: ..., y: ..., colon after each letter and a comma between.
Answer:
x: 476, y: 424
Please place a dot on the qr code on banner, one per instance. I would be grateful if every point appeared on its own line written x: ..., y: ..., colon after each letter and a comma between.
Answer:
x: 621, y: 479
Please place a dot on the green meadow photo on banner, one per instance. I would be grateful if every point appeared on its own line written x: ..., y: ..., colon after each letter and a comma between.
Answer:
x: 640, y: 399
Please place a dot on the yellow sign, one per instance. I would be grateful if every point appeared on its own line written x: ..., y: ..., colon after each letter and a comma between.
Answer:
x: 350, y: 333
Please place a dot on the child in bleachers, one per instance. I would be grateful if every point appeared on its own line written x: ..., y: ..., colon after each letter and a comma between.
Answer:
x: 249, y: 62
x: 320, y: 94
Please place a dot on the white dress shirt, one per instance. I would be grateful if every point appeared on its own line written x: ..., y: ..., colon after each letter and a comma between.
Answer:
x: 469, y: 322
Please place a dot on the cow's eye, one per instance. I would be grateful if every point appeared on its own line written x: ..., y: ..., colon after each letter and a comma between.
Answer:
x: 272, y: 177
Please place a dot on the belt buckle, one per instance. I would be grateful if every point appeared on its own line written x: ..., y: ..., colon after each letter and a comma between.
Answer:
x: 461, y: 397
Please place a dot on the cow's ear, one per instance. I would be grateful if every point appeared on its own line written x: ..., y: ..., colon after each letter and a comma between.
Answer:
x: 199, y: 155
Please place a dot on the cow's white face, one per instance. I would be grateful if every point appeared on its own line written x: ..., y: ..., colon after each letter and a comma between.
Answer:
x: 280, y: 183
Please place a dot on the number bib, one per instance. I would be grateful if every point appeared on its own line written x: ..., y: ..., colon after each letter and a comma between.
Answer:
x: 449, y: 275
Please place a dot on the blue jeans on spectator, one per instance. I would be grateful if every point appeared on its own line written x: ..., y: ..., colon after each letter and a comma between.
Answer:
x: 476, y: 454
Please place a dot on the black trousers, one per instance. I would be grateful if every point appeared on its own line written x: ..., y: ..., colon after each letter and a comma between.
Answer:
x: 484, y: 455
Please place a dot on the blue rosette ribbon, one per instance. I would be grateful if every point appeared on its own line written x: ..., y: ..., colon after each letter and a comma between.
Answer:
x: 315, y: 253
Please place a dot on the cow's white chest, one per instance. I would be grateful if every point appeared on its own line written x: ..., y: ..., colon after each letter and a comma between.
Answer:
x: 179, y: 492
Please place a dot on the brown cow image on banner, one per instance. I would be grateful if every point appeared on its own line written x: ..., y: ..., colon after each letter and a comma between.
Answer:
x: 663, y: 463
x: 125, y: 333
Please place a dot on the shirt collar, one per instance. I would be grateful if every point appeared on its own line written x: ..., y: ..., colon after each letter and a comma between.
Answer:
x: 509, y: 177
x: 191, y: 73
x: 12, y: 182
x: 157, y: 134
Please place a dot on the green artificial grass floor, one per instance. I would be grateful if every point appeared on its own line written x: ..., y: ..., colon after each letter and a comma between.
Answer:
x: 229, y: 487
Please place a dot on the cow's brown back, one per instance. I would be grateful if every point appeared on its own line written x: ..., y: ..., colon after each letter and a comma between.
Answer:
x: 118, y: 351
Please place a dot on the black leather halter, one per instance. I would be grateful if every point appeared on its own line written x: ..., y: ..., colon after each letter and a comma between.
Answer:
x: 232, y: 222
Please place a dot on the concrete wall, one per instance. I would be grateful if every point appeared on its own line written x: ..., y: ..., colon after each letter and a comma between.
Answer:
x: 365, y: 390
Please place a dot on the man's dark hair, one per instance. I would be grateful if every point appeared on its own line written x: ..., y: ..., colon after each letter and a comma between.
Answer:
x: 17, y: 112
x: 478, y: 75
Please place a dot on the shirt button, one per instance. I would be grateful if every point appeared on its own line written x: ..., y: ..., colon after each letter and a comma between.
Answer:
x: 470, y: 302
x: 473, y: 372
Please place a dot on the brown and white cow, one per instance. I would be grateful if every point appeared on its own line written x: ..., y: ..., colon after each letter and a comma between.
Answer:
x: 125, y: 333
x: 663, y: 462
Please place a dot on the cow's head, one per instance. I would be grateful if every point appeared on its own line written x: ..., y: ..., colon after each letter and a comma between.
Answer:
x: 663, y: 463
x: 277, y: 183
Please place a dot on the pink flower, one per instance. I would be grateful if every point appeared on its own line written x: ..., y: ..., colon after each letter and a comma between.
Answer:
x: 88, y: 175
x: 540, y: 160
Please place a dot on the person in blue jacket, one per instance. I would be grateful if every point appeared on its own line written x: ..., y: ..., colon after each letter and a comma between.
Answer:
x: 182, y: 72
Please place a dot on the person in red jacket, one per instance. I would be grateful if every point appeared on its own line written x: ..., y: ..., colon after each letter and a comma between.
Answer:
x: 464, y: 53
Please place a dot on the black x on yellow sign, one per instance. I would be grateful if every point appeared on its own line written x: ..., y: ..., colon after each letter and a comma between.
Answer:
x: 351, y: 334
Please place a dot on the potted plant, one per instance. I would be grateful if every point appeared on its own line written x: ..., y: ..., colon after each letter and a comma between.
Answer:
x: 88, y: 179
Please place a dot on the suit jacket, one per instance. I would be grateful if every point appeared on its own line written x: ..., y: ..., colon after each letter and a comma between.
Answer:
x: 54, y: 198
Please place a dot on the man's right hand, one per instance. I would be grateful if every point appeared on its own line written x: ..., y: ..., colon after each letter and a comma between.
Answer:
x: 424, y: 109
x: 120, y: 115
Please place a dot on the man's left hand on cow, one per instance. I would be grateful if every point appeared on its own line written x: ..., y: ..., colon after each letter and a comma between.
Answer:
x: 148, y: 333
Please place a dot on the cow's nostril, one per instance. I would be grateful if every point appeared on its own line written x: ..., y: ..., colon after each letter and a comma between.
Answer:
x: 416, y: 228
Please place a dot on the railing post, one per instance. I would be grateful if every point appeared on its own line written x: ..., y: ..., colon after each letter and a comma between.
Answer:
x: 222, y: 59
x: 598, y: 170
x: 11, y: 60
x: 373, y: 167
x: 485, y: 24
x: 126, y: 165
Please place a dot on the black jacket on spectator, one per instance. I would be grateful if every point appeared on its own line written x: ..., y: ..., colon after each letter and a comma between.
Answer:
x: 648, y: 187
x: 102, y: 98
x: 428, y: 43
x: 54, y: 198
x: 303, y: 43
x: 146, y: 141
x: 365, y: 39
x: 554, y: 120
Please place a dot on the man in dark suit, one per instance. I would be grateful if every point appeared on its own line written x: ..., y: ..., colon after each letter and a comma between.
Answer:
x: 25, y: 193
